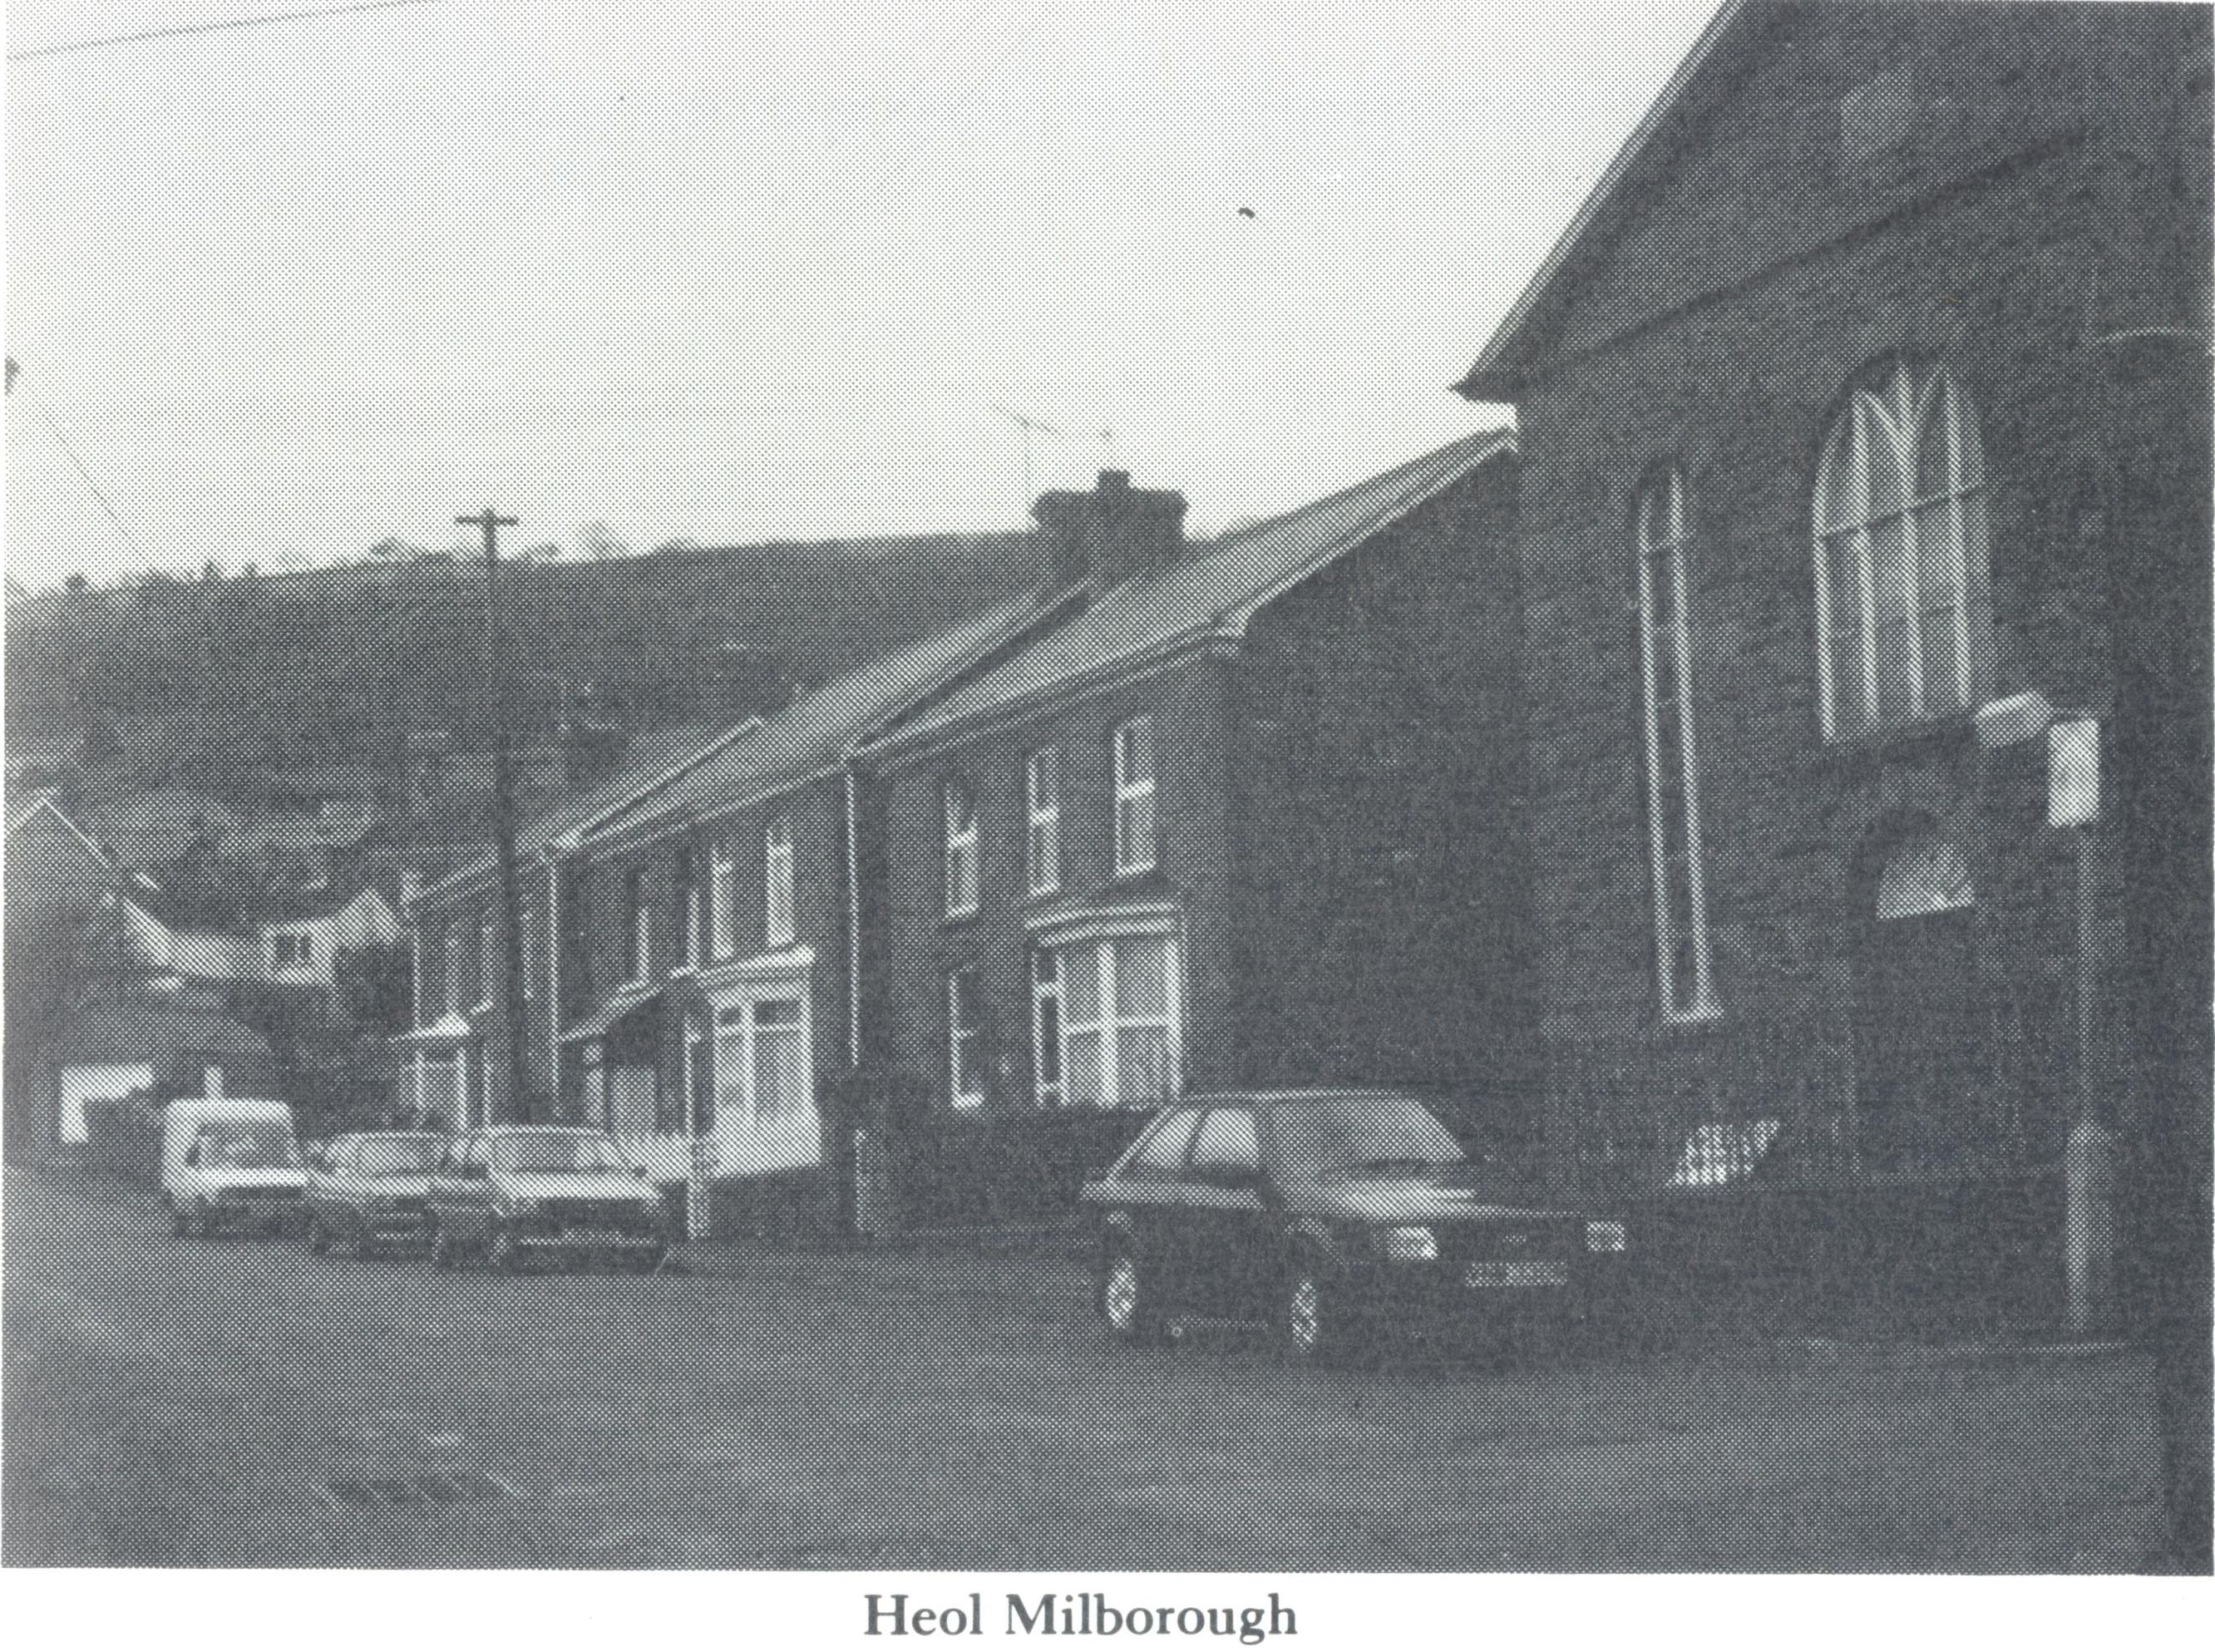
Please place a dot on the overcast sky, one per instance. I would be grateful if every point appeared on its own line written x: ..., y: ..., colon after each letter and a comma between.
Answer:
x: 726, y: 272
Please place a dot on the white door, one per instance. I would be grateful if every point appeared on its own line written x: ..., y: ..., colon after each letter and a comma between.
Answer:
x: 97, y: 1081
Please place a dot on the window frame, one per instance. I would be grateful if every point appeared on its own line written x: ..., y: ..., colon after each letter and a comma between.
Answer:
x: 1048, y: 1090
x: 1662, y: 536
x: 638, y: 931
x: 1886, y: 420
x: 723, y: 903
x: 1135, y: 734
x: 1098, y: 948
x: 1042, y: 818
x: 780, y: 920
x: 964, y: 857
x: 684, y: 902
x: 964, y: 1043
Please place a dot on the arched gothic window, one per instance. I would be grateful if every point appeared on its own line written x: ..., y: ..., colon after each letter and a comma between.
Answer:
x: 1903, y: 606
x: 1683, y: 968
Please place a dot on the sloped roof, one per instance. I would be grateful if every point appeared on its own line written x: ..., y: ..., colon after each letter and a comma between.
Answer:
x: 155, y: 1032
x: 1210, y: 590
x: 817, y: 731
x: 155, y: 826
x: 1495, y: 375
x: 652, y: 764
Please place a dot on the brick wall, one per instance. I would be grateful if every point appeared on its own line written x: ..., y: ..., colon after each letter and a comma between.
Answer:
x: 1379, y: 903
x: 1008, y: 1158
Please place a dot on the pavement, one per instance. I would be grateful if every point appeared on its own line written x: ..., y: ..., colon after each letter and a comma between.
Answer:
x: 173, y: 1402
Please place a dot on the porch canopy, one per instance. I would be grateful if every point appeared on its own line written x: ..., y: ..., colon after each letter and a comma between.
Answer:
x: 614, y: 1015
x: 450, y: 1032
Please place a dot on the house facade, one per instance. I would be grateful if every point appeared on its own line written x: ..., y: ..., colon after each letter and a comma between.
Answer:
x: 1837, y: 414
x: 457, y: 1050
x: 713, y: 997
x: 1249, y: 815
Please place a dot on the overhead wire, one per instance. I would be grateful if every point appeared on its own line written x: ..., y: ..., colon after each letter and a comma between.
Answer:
x: 213, y: 26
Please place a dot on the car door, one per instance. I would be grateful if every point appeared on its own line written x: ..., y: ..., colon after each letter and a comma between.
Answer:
x: 1149, y: 1194
x: 1226, y: 1237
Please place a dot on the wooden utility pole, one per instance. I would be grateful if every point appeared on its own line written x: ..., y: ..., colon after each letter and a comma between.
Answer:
x: 503, y: 821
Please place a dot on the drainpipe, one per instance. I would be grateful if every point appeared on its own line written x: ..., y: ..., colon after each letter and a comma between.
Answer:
x: 853, y: 930
x: 553, y: 986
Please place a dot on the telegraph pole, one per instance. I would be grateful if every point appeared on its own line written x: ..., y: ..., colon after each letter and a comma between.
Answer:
x: 503, y: 818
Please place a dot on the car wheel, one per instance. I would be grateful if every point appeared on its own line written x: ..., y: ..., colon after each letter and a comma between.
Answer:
x: 1312, y: 1326
x: 1126, y: 1299
x: 502, y: 1251
x: 442, y: 1247
x: 180, y: 1221
x: 319, y: 1235
x: 192, y: 1221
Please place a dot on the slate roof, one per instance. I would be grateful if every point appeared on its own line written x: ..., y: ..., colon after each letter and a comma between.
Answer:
x: 1210, y: 590
x: 819, y: 730
x: 653, y: 764
x: 155, y: 1032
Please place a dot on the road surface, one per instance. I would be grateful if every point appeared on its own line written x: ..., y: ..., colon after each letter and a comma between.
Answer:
x: 174, y: 1402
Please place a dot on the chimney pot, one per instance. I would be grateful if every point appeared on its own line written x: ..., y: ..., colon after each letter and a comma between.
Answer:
x: 1114, y: 481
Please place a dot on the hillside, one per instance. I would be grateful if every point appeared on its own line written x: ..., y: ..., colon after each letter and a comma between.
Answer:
x: 226, y: 680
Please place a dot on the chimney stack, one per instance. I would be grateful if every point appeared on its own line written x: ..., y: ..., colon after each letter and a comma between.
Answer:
x: 1113, y: 533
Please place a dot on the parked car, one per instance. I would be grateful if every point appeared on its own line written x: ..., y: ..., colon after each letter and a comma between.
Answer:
x: 370, y: 1189
x: 1336, y: 1216
x: 518, y: 1192
x: 229, y: 1165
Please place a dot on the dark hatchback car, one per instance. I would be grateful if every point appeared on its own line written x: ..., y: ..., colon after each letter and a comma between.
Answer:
x: 1336, y: 1216
x: 370, y: 1189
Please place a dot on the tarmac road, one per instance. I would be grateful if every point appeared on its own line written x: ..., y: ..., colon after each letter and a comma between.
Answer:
x: 174, y: 1402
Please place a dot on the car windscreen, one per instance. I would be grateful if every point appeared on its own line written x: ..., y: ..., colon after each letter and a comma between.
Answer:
x: 552, y: 1154
x: 1359, y: 1136
x: 396, y: 1155
x: 250, y: 1145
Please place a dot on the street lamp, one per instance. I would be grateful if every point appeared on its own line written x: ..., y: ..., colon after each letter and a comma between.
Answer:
x: 2072, y: 802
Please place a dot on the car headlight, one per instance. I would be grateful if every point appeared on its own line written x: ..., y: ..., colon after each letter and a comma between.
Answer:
x: 1610, y: 1239
x: 1409, y: 1245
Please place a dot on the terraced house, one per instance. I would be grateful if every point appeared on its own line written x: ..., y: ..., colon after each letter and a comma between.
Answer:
x: 713, y: 976
x: 1251, y: 814
x: 1849, y: 403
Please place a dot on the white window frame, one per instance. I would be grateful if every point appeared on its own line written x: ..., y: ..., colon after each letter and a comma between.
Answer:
x: 449, y: 961
x: 778, y: 920
x: 731, y: 1032
x: 1047, y: 1091
x: 1664, y: 634
x: 691, y: 936
x: 963, y: 880
x: 1094, y: 944
x: 1136, y: 736
x: 1945, y: 532
x: 639, y: 917
x: 723, y: 903
x: 1042, y: 810
x: 965, y: 1100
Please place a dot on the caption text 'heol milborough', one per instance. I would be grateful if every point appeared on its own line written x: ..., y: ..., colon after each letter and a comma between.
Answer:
x: 1092, y: 1614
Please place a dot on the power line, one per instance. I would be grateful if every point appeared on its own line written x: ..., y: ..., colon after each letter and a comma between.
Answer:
x: 84, y: 471
x: 209, y: 27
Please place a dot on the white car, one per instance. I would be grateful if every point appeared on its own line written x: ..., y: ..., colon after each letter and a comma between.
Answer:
x: 230, y: 1163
